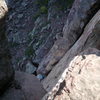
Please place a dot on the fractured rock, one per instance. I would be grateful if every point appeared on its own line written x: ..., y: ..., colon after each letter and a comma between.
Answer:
x: 81, y: 80
x: 85, y: 41
x: 80, y: 14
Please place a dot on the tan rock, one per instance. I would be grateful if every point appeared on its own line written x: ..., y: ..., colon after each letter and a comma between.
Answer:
x: 81, y: 80
x: 56, y: 75
x: 3, y: 8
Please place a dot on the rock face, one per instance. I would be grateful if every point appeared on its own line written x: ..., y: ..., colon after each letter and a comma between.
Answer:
x: 23, y: 12
x: 64, y: 56
x: 31, y: 30
x: 81, y: 12
x: 71, y: 77
x: 6, y: 70
x: 25, y: 87
x: 20, y: 22
x: 82, y: 78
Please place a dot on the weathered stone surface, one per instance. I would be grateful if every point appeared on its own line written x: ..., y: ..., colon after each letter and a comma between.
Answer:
x: 28, y: 28
x: 50, y: 63
x: 81, y: 80
x: 24, y: 12
x: 20, y: 22
x: 25, y: 87
x: 56, y: 19
x: 6, y: 70
x: 78, y: 17
x: 92, y: 29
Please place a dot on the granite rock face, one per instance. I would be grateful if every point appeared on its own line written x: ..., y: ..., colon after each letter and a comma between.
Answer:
x: 76, y: 73
x: 82, y: 78
x: 6, y: 70
x: 80, y: 14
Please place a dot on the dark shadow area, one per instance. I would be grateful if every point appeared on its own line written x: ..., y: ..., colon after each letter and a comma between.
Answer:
x: 6, y: 70
x: 14, y: 85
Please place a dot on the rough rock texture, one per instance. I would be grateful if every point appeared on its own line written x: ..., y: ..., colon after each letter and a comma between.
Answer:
x: 20, y: 22
x: 25, y: 87
x: 82, y: 78
x: 78, y: 17
x: 66, y: 58
x: 31, y: 34
x: 55, y: 29
x: 20, y: 12
x: 55, y: 22
x: 6, y: 70
x: 90, y: 35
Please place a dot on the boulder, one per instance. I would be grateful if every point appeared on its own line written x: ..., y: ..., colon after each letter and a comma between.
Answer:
x: 27, y: 66
x: 25, y: 87
x: 89, y: 38
x: 80, y: 14
x: 30, y: 68
x: 6, y: 70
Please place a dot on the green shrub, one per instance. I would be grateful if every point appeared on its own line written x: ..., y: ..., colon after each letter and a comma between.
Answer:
x: 43, y: 10
x: 43, y: 7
